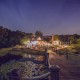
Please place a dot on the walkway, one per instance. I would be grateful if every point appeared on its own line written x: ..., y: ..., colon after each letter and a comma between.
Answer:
x: 69, y: 70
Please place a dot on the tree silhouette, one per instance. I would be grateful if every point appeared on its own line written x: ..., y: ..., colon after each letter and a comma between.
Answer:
x: 38, y: 33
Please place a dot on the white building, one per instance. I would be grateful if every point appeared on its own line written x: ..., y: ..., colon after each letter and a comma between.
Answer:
x: 57, y: 42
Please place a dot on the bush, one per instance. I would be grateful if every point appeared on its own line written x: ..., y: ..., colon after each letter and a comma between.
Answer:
x: 77, y: 47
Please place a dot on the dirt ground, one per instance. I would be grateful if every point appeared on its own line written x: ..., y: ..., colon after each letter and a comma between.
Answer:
x: 69, y: 68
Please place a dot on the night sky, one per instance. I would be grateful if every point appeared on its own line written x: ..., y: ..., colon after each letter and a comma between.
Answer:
x: 48, y: 16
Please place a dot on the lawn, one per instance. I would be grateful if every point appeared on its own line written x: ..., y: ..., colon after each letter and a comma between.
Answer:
x: 9, y: 58
x: 4, y: 51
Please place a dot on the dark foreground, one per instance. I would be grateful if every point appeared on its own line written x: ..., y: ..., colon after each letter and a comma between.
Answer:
x: 69, y: 68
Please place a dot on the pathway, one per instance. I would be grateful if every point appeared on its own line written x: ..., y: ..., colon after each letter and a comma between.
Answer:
x: 68, y: 70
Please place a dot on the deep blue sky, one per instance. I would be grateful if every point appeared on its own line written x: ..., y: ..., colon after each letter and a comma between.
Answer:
x: 49, y: 16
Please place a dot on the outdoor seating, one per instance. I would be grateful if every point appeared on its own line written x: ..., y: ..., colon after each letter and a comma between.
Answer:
x: 35, y: 66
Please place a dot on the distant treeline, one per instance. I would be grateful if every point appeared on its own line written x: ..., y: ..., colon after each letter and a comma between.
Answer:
x: 65, y: 39
x: 10, y: 38
x: 68, y: 39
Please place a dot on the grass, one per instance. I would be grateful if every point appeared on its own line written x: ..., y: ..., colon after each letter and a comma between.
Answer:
x: 8, y: 66
x: 4, y: 51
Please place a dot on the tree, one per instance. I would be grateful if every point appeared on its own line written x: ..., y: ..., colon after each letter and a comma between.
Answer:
x: 4, y: 32
x: 38, y: 34
x: 73, y: 39
x: 56, y: 37
x: 78, y: 41
x: 10, y: 38
x: 25, y: 40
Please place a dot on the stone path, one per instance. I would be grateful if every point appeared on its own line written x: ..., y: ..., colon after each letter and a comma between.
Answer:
x: 68, y: 70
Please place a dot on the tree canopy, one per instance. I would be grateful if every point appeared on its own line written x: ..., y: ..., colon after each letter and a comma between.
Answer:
x: 11, y: 38
x: 38, y: 33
